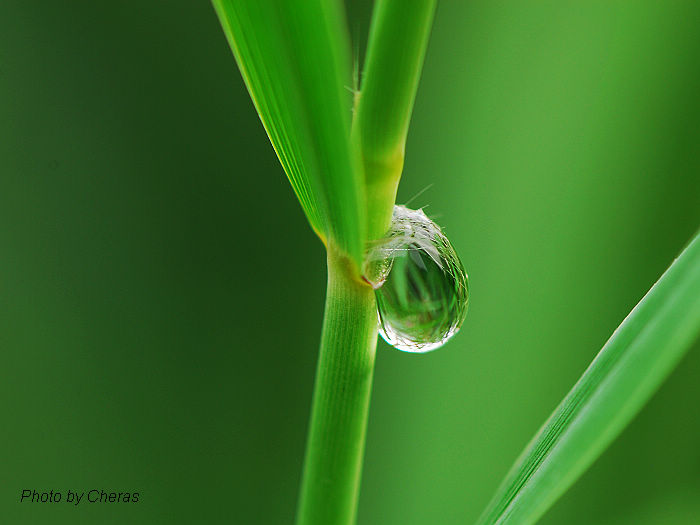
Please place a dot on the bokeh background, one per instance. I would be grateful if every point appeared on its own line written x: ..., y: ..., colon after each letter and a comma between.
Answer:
x: 161, y: 293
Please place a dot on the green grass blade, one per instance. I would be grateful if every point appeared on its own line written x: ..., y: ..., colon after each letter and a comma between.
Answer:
x: 619, y: 381
x: 294, y: 58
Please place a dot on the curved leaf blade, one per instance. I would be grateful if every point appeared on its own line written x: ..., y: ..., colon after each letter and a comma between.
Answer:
x: 294, y: 58
x: 631, y: 366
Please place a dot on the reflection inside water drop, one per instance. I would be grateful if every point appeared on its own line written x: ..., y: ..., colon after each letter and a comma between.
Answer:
x: 421, y: 287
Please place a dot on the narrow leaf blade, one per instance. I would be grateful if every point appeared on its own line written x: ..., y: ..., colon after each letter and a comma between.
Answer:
x: 631, y: 366
x: 294, y: 59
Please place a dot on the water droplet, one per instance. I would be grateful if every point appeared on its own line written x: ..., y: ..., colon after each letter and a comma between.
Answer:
x: 421, y: 287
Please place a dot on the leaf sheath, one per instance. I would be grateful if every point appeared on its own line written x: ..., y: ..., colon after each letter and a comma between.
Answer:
x: 396, y: 50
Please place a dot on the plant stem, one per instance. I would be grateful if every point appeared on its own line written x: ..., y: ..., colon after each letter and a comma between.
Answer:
x: 397, y: 42
x: 336, y: 442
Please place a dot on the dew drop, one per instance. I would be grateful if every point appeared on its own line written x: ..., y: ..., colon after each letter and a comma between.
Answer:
x: 421, y: 287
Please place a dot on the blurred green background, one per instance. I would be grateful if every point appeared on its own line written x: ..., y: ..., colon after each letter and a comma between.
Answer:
x: 161, y: 293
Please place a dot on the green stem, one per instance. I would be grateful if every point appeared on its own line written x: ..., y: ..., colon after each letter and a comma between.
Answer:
x: 397, y: 42
x: 333, y: 465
